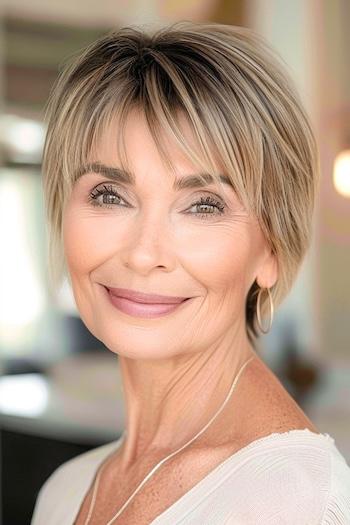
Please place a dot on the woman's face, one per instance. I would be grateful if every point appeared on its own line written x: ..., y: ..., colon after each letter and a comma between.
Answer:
x: 156, y: 239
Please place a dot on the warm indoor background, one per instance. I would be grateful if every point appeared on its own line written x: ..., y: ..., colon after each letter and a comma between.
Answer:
x: 59, y: 386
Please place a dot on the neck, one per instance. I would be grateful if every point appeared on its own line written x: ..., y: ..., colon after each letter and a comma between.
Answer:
x: 169, y: 401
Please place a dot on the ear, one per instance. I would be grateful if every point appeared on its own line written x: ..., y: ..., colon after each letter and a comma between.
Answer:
x: 268, y: 272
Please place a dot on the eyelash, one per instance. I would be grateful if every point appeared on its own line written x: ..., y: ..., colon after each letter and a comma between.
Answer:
x: 208, y: 201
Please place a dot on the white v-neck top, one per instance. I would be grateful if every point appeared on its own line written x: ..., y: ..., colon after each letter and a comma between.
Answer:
x: 290, y: 478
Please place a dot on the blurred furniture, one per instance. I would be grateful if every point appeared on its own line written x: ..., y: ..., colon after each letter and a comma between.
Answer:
x: 47, y: 419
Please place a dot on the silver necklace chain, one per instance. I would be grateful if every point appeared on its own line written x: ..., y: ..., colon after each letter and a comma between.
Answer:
x: 92, y: 504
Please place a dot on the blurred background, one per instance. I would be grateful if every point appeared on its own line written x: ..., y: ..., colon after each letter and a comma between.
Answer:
x: 60, y: 391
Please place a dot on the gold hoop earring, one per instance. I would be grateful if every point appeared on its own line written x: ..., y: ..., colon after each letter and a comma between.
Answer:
x: 258, y: 311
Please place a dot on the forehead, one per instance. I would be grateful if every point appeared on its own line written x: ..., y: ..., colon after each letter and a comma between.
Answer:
x: 122, y: 152
x: 136, y: 134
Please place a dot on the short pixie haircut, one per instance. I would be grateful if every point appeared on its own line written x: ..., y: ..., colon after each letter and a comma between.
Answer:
x: 240, y: 103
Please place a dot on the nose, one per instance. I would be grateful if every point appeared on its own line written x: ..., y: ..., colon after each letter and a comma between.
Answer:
x: 148, y: 243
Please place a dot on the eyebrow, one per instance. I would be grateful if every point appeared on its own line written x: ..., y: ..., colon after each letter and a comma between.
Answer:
x: 119, y: 175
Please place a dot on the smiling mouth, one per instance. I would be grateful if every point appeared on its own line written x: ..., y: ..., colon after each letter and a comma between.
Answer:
x: 144, y: 298
x: 145, y: 310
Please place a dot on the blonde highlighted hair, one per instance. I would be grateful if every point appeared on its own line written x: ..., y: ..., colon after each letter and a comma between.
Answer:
x: 241, y: 106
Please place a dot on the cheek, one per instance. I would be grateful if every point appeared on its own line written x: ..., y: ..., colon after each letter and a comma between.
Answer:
x: 85, y: 240
x: 84, y: 246
x: 220, y: 258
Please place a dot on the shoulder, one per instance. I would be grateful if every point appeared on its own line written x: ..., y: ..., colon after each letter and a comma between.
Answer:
x: 266, y: 406
x: 78, y: 466
x: 337, y: 509
x: 67, y: 480
x: 292, y: 477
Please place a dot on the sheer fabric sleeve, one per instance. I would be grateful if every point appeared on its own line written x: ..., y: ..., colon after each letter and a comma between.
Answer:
x: 287, y: 487
x: 46, y: 500
x: 337, y: 511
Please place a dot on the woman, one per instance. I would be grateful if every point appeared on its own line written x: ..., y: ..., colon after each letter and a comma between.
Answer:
x: 180, y: 173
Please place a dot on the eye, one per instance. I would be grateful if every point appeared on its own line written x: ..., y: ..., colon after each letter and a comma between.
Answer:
x: 209, y: 204
x: 105, y: 196
x: 110, y: 197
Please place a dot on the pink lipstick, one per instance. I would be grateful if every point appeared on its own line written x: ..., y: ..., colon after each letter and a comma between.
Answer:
x: 139, y: 304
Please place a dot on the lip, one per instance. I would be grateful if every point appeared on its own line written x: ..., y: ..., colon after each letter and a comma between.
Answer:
x: 140, y: 297
x: 143, y: 310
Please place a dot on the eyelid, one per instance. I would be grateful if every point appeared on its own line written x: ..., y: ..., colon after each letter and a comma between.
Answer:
x: 118, y: 188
